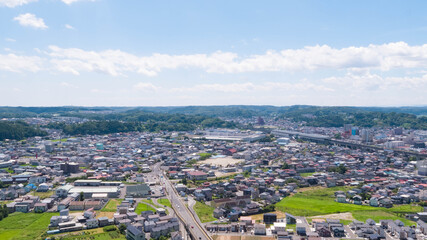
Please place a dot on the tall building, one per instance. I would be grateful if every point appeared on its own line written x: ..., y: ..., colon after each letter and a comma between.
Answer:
x: 260, y: 121
x: 347, y: 128
x: 366, y: 136
x: 99, y: 146
x: 354, y: 131
x: 422, y: 167
x: 69, y: 167
x: 49, y: 147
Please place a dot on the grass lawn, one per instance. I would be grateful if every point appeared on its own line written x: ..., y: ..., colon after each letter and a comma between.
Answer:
x: 111, y: 206
x: 307, y: 174
x: 204, y: 212
x: 143, y: 207
x: 62, y: 140
x: 165, y: 202
x: 151, y: 202
x: 42, y: 195
x: 7, y: 170
x: 24, y: 225
x: 321, y: 201
x: 291, y: 226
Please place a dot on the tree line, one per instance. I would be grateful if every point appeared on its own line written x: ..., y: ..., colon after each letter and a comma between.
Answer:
x: 336, y: 117
x: 142, y: 123
x: 18, y: 130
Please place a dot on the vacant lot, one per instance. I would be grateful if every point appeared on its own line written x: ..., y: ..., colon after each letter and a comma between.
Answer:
x: 321, y: 201
x: 341, y: 216
x: 204, y: 212
x: 143, y: 207
x: 112, y: 205
x: 164, y: 202
x: 105, y: 214
x: 307, y: 174
x: 22, y: 226
x: 220, y: 161
x: 42, y: 195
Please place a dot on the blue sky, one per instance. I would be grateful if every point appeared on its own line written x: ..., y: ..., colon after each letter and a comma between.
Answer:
x: 159, y: 53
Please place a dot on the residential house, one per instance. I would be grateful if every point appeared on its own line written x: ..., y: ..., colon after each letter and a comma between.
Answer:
x: 259, y: 229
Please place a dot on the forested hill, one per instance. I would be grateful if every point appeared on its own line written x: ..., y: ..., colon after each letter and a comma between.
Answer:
x: 105, y: 119
x: 142, y: 122
x: 336, y: 118
x: 18, y: 130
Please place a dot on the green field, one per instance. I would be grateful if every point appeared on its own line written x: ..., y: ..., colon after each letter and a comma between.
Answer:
x: 7, y: 170
x: 150, y: 202
x: 22, y: 226
x: 321, y: 201
x: 165, y: 202
x: 42, y: 195
x: 112, y: 205
x: 143, y: 207
x: 204, y: 212
x: 307, y: 174
x: 62, y: 140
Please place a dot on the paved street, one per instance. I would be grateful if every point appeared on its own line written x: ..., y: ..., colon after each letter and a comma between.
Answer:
x: 180, y: 208
x: 350, y: 233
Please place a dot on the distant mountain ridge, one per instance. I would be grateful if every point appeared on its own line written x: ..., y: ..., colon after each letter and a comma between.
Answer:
x: 217, y: 111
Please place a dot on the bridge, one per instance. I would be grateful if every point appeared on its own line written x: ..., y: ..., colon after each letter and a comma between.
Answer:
x: 324, y: 139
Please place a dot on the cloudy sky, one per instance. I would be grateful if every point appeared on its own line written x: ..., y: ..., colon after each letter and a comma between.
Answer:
x: 161, y: 53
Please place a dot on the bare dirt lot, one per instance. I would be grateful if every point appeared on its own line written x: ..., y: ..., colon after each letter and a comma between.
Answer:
x: 340, y: 216
x: 221, y: 161
x: 105, y: 214
x: 260, y: 216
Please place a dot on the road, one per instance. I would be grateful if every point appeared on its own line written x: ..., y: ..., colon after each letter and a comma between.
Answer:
x: 350, y: 232
x: 180, y: 209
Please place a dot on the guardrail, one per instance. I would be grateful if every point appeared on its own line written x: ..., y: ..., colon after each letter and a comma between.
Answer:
x: 191, y: 214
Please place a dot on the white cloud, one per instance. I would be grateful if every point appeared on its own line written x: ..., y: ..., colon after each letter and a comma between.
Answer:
x: 365, y: 67
x: 15, y: 3
x: 14, y: 63
x: 143, y: 86
x: 252, y: 87
x: 68, y: 85
x: 69, y: 2
x: 370, y: 81
x: 10, y: 40
x: 30, y: 20
x: 115, y: 62
x: 68, y: 26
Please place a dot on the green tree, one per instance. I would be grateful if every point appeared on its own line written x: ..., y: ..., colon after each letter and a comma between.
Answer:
x: 82, y: 196
x: 285, y: 166
x: 122, y: 228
